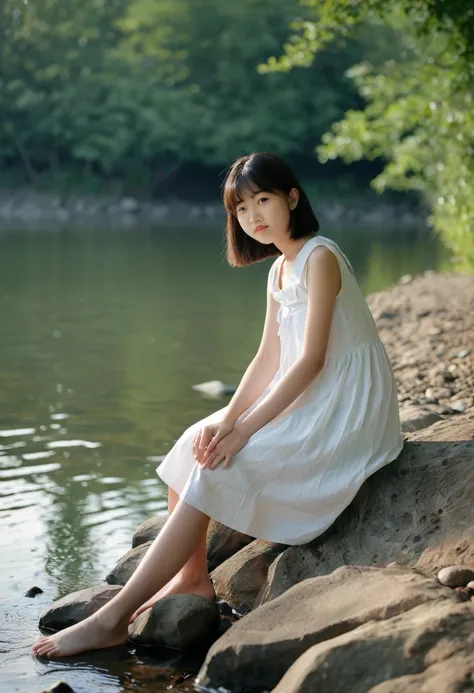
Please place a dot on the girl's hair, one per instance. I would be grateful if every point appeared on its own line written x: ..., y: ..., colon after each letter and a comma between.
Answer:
x: 267, y: 173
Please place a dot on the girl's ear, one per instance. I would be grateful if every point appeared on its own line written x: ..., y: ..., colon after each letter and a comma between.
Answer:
x: 293, y: 198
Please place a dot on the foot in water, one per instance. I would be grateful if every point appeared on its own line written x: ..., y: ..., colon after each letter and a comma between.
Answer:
x: 179, y: 585
x: 94, y: 633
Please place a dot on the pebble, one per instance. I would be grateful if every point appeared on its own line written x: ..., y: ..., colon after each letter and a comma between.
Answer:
x: 33, y: 591
x: 462, y: 354
x: 455, y: 576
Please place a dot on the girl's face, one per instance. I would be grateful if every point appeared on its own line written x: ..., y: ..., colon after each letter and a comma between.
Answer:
x: 265, y: 216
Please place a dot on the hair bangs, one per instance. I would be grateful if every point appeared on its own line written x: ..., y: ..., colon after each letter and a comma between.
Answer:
x: 244, y: 181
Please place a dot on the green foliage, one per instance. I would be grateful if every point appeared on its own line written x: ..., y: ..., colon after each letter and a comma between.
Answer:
x: 419, y: 104
x: 137, y: 88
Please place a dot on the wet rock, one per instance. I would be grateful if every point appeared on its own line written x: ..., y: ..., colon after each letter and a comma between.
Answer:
x: 178, y: 620
x: 404, y: 509
x: 240, y: 578
x: 222, y: 542
x: 415, y: 418
x: 76, y: 607
x: 215, y: 388
x: 59, y: 687
x: 455, y: 576
x: 257, y: 651
x: 419, y: 643
x: 127, y: 565
x: 33, y: 592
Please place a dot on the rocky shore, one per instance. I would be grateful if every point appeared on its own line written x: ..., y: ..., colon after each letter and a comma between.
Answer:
x: 369, y: 605
x: 28, y: 207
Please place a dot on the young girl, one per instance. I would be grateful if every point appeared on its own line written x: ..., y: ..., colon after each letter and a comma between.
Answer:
x: 315, y: 414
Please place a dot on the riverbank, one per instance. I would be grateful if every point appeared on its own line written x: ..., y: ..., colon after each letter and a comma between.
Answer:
x: 303, y: 629
x: 26, y: 207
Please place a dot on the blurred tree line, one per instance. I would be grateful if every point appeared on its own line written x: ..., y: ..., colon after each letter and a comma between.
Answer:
x: 146, y: 91
x: 419, y: 104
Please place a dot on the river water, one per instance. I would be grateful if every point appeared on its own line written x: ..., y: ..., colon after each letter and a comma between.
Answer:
x: 103, y: 333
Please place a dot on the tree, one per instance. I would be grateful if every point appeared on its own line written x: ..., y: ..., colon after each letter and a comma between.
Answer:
x: 419, y: 104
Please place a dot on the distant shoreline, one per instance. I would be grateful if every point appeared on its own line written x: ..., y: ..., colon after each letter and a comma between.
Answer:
x: 28, y: 208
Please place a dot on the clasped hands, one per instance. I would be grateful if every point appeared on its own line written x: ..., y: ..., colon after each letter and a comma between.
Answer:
x: 218, y: 443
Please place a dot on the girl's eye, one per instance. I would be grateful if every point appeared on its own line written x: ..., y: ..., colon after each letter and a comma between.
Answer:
x: 263, y: 199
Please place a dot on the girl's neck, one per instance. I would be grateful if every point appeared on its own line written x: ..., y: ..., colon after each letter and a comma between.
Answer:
x: 290, y: 248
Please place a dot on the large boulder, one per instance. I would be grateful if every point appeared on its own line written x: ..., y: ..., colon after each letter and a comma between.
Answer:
x: 257, y: 651
x: 76, y: 607
x: 410, y: 644
x: 222, y: 542
x: 412, y: 504
x: 240, y: 578
x: 178, y: 621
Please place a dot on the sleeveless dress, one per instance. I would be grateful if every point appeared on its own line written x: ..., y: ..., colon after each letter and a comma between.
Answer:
x: 299, y: 471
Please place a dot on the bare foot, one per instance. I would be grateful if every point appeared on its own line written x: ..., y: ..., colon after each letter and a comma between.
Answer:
x: 94, y: 633
x: 179, y: 585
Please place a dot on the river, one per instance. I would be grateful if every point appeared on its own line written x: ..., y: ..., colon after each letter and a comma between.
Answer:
x: 103, y: 333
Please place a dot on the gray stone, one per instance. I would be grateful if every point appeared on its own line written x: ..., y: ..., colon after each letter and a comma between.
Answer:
x: 179, y: 620
x: 387, y: 651
x: 240, y: 578
x: 77, y: 606
x: 258, y: 649
x: 127, y: 565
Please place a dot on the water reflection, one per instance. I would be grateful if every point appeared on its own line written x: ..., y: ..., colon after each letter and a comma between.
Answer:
x: 103, y: 335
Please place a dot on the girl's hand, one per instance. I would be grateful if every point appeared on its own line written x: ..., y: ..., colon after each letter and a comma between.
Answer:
x: 206, y: 435
x: 225, y: 449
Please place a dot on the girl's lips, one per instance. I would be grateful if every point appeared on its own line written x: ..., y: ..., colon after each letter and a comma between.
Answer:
x: 260, y: 228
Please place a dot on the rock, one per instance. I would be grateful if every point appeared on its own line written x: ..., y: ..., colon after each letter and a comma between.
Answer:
x: 59, y: 687
x: 412, y: 643
x: 415, y: 418
x: 76, y: 607
x: 215, y: 388
x: 129, y: 205
x: 454, y: 576
x: 222, y: 542
x: 451, y: 551
x: 448, y: 676
x: 148, y: 530
x: 127, y: 565
x: 33, y: 592
x: 408, y: 506
x: 259, y: 648
x: 470, y: 585
x: 462, y: 354
x: 178, y: 620
x: 240, y: 578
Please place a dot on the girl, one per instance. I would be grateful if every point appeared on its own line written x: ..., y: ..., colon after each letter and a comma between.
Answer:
x: 315, y: 414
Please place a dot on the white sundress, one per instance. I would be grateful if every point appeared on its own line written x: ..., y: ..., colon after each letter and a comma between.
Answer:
x: 302, y: 469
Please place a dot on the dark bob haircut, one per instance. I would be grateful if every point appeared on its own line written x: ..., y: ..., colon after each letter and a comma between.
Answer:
x: 266, y: 173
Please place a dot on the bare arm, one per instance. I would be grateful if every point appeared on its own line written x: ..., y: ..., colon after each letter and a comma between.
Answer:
x: 324, y: 283
x: 262, y: 368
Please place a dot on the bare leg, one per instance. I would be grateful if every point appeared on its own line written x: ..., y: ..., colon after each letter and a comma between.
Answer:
x: 108, y: 627
x: 193, y: 578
